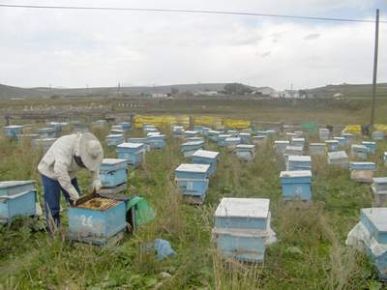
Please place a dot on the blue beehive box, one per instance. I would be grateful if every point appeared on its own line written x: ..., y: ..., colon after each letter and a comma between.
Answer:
x: 222, y: 138
x: 296, y: 162
x: 342, y: 141
x: 205, y: 131
x: 13, y: 131
x: 332, y: 145
x: 348, y: 137
x: 190, y: 148
x: 370, y: 236
x: 359, y: 151
x: 132, y: 152
x: 97, y: 220
x: 142, y: 140
x: 206, y: 157
x: 192, y: 179
x: 378, y: 135
x: 47, y: 132
x: 213, y: 135
x: 242, y: 228
x: 362, y: 166
x: 280, y: 146
x: 113, y: 172
x: 298, y: 142
x: 232, y: 142
x: 317, y: 149
x: 191, y: 133
x: 177, y: 131
x: 245, y: 152
x: 17, y: 199
x: 245, y: 138
x: 296, y: 184
x: 156, y: 141
x: 114, y: 139
x: 370, y: 145
x: 125, y: 125
x: 43, y: 143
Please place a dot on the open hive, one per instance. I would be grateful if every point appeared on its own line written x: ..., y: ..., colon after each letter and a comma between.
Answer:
x: 99, y: 203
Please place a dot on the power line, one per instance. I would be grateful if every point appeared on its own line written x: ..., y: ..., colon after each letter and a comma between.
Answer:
x: 217, y: 12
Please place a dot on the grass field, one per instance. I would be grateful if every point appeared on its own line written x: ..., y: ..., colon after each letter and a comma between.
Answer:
x: 310, y: 252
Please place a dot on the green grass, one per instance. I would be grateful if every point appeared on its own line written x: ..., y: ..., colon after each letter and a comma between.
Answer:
x: 310, y: 252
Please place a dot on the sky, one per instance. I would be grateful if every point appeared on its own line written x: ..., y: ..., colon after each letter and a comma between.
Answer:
x: 64, y: 48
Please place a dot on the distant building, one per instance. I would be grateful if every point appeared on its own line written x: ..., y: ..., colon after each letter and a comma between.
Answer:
x: 206, y: 93
x: 159, y: 96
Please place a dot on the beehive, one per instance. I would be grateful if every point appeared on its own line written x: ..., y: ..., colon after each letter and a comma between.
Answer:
x: 245, y: 138
x: 342, y: 141
x: 338, y: 158
x: 178, y: 131
x: 133, y: 152
x: 332, y: 145
x: 17, y: 198
x: 245, y: 152
x: 280, y: 146
x: 232, y: 142
x: 296, y: 184
x: 324, y: 134
x: 141, y: 140
x: 370, y: 236
x: 198, y: 129
x: 191, y: 133
x: 193, y: 139
x: 190, y: 148
x: 295, y: 162
x: 317, y: 149
x: 348, y: 137
x: 206, y: 157
x: 43, y: 144
x: 117, y: 129
x: 113, y: 172
x: 362, y: 171
x: 125, y: 125
x: 378, y: 135
x: 370, y: 145
x: 13, y: 131
x: 114, y: 139
x: 294, y: 150
x: 96, y: 220
x: 379, y: 188
x: 156, y: 141
x: 298, y: 142
x: 149, y: 128
x: 222, y: 138
x: 242, y: 228
x: 359, y: 151
x: 192, y: 179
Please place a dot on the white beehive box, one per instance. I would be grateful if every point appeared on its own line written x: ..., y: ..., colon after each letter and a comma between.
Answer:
x: 324, y: 134
x: 294, y: 150
x: 242, y: 228
x: 245, y: 152
x: 338, y: 158
x: 317, y: 149
x: 280, y: 146
x: 296, y: 162
x: 379, y: 188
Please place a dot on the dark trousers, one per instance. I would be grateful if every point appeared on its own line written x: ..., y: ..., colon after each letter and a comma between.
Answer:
x: 52, y: 191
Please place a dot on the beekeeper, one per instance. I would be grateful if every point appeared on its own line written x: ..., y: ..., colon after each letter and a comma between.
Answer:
x: 58, y: 167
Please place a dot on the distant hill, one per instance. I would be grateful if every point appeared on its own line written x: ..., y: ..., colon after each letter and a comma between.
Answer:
x: 15, y: 92
x: 348, y: 91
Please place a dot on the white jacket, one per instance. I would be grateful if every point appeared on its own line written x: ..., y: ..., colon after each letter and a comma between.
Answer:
x: 58, y: 163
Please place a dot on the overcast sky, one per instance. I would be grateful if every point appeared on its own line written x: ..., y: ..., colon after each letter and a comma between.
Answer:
x: 101, y: 48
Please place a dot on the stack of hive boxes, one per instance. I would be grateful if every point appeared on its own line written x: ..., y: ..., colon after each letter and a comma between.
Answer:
x: 17, y: 198
x: 242, y: 228
x: 370, y: 236
x: 113, y: 175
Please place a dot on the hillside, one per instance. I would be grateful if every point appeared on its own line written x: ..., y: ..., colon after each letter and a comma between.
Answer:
x: 349, y: 90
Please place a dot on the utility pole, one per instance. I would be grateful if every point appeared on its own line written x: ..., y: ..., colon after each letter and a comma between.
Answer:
x: 375, y: 72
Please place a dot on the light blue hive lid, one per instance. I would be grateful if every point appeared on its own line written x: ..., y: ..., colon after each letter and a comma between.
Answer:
x: 377, y: 216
